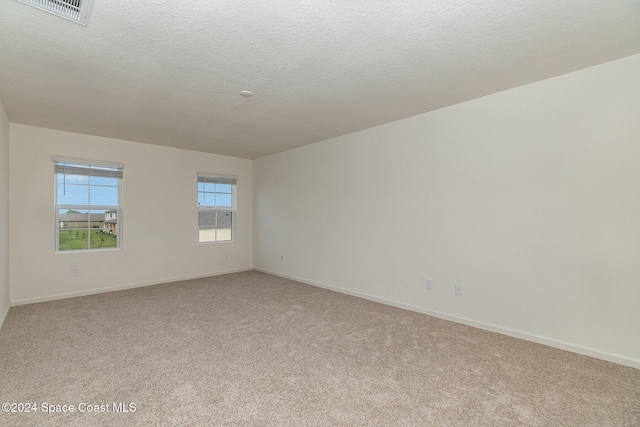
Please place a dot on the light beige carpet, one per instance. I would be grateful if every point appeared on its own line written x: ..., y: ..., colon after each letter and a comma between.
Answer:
x: 250, y: 349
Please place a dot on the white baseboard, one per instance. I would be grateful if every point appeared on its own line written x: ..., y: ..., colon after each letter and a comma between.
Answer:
x: 4, y: 316
x: 469, y: 322
x: 119, y: 288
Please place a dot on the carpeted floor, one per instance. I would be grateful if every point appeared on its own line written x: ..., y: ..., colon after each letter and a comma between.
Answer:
x: 250, y: 349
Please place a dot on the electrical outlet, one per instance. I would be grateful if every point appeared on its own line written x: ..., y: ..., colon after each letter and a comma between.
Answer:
x: 74, y: 271
x: 458, y: 289
x: 281, y: 258
x: 428, y: 283
x: 226, y: 256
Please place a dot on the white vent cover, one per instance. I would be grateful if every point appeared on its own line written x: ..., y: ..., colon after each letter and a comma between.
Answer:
x: 74, y: 10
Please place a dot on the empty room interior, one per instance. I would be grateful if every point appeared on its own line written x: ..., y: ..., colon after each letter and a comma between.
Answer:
x: 320, y: 213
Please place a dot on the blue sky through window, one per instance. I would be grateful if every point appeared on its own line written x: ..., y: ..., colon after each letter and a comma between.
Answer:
x: 215, y: 195
x: 84, y: 190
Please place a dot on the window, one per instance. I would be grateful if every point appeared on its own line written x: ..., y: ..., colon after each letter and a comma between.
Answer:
x: 216, y: 208
x: 88, y: 209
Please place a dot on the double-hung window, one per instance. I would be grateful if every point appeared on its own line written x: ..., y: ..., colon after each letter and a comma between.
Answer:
x: 216, y: 207
x: 88, y: 209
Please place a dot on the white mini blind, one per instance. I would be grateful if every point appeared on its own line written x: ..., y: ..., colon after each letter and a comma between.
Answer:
x: 72, y: 168
x: 217, y: 179
x: 74, y: 10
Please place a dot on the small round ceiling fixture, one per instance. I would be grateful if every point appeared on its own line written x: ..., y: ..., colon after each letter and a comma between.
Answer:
x: 246, y: 93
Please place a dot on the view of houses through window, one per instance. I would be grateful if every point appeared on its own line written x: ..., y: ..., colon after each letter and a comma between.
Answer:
x: 216, y: 208
x: 88, y: 212
x: 87, y: 206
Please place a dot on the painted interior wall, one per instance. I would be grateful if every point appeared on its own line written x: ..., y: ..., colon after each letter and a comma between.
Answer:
x: 160, y: 221
x: 528, y: 198
x: 4, y: 214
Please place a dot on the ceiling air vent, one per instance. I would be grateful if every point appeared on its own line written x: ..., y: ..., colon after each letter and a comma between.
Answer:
x: 73, y: 10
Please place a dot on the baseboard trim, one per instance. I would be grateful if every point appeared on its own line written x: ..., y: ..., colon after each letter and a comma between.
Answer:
x: 4, y: 316
x: 120, y: 288
x: 469, y: 322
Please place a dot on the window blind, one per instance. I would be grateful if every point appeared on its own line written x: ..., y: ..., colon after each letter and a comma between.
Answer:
x: 68, y: 168
x: 217, y: 179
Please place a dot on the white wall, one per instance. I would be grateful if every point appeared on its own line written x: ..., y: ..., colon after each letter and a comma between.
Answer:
x: 160, y: 221
x: 4, y: 214
x: 529, y: 198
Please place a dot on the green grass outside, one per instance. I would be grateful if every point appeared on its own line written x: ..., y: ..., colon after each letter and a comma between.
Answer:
x: 77, y: 239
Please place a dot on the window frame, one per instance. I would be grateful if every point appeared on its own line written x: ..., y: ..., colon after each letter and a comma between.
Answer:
x: 84, y: 163
x: 233, y: 210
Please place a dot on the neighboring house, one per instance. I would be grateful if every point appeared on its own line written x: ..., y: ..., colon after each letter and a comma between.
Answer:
x: 207, y: 218
x: 215, y: 225
x: 81, y: 220
x: 111, y: 222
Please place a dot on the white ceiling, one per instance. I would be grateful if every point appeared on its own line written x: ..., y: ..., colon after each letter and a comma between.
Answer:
x: 170, y: 72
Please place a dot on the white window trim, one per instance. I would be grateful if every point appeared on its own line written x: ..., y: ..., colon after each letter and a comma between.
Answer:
x: 233, y: 210
x: 57, y: 207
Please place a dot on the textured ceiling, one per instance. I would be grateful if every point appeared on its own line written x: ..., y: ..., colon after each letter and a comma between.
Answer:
x: 169, y: 73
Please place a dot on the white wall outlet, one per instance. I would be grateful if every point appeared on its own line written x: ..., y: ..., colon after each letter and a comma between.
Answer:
x: 281, y: 258
x: 458, y: 289
x: 74, y: 271
x: 428, y: 283
x: 226, y: 256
